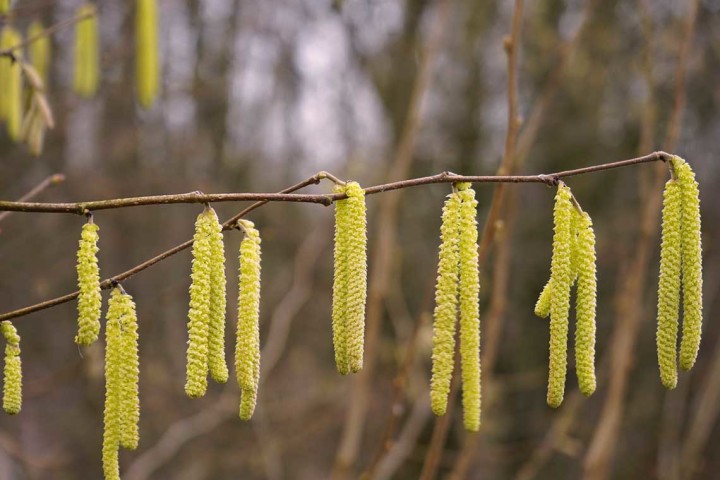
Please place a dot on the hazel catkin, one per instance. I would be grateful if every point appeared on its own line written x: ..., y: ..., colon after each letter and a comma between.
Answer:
x: 12, y: 375
x: 446, y: 304
x: 469, y: 309
x: 39, y: 50
x: 86, y: 52
x: 247, y: 347
x: 88, y: 273
x: 130, y: 371
x: 11, y: 98
x: 113, y: 386
x: 350, y: 279
x: 691, y: 264
x: 147, y: 65
x: 216, y: 332
x: 585, y: 304
x: 561, y: 278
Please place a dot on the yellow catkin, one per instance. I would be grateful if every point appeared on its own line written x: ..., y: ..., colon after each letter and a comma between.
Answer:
x: 469, y: 310
x: 561, y: 278
x: 446, y: 304
x: 39, y: 50
x: 199, y: 313
x: 11, y: 98
x: 88, y: 274
x: 4, y: 6
x: 114, y: 386
x: 146, y: 56
x: 350, y: 279
x: 585, y: 305
x: 542, y: 307
x: 130, y: 370
x: 247, y: 347
x: 216, y: 333
x: 12, y: 381
x: 669, y: 284
x: 691, y: 264
x: 86, y: 52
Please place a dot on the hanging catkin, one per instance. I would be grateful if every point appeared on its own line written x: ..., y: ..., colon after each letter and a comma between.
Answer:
x: 216, y: 333
x: 11, y: 98
x: 247, y: 347
x: 691, y: 264
x: 130, y: 370
x: 146, y: 56
x: 669, y: 283
x: 86, y: 51
x: 39, y: 50
x: 585, y: 305
x: 12, y: 377
x: 88, y: 273
x: 561, y: 278
x: 114, y: 385
x: 350, y: 279
x: 199, y: 314
x: 469, y: 309
x: 4, y: 6
x: 446, y: 304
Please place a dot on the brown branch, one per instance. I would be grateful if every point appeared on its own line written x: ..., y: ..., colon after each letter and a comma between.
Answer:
x: 37, y: 190
x: 81, y: 208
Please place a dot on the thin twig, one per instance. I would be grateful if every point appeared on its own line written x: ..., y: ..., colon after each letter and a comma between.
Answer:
x: 37, y: 190
x: 68, y: 22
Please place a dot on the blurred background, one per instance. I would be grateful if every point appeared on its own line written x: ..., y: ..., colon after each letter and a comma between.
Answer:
x: 257, y: 96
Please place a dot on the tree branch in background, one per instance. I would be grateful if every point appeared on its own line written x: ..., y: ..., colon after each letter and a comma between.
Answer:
x: 61, y: 25
x: 50, y: 181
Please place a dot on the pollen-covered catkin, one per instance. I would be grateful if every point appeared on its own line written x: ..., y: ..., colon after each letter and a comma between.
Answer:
x: 561, y: 278
x: 86, y: 52
x: 88, y: 273
x: 129, y: 370
x: 446, y: 304
x: 216, y: 333
x: 691, y: 264
x: 12, y: 377
x: 39, y: 50
x: 669, y: 283
x: 113, y: 386
x: 11, y: 98
x: 585, y: 305
x: 542, y: 307
x: 199, y: 313
x: 147, y: 66
x: 350, y: 281
x: 247, y: 347
x: 469, y: 290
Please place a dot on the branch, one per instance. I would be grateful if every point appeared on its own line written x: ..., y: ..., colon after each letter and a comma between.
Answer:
x: 80, y: 208
x: 37, y: 190
x: 444, y: 177
x: 9, y: 52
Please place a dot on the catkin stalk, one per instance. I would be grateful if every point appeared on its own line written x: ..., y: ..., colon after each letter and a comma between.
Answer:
x: 216, y: 333
x: 12, y: 375
x: 88, y: 274
x: 446, y: 304
x: 247, y: 347
x: 146, y: 55
x: 86, y: 52
x: 199, y: 312
x: 350, y: 279
x: 691, y: 264
x: 469, y: 310
x: 585, y: 305
x: 39, y: 50
x: 561, y: 278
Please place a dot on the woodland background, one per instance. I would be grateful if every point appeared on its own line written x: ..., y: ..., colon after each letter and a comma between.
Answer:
x: 260, y: 95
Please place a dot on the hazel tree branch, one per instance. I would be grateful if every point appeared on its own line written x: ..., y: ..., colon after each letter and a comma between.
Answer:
x: 284, y: 195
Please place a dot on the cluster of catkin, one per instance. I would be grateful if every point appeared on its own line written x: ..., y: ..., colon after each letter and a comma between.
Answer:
x: 573, y: 260
x: 350, y: 278
x: 457, y: 288
x: 206, y: 317
x: 680, y: 271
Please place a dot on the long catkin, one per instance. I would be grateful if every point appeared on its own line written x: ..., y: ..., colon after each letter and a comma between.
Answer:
x: 247, y: 346
x: 350, y: 279
x: 88, y: 274
x: 691, y: 264
x: 561, y: 278
x: 199, y: 312
x: 146, y: 56
x: 469, y: 290
x: 585, y: 305
x: 12, y: 374
x: 216, y: 333
x: 11, y: 98
x: 86, y: 52
x: 130, y: 371
x: 446, y: 304
x: 113, y: 386
x: 39, y: 50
